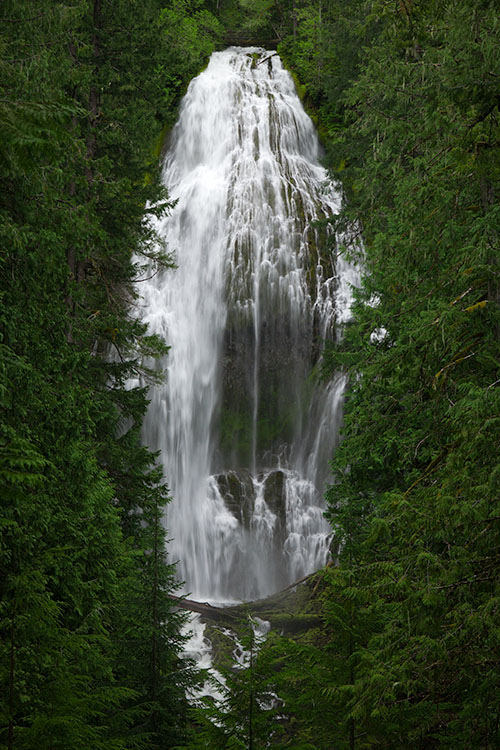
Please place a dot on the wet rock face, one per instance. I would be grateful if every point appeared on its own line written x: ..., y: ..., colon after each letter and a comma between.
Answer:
x: 275, y: 499
x: 238, y: 493
x: 284, y: 357
x: 254, y: 501
x: 235, y: 422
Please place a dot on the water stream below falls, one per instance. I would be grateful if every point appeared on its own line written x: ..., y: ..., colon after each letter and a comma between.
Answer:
x: 244, y: 426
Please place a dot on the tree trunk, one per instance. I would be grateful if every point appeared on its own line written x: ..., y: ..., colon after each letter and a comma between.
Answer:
x: 10, y: 737
x: 154, y: 642
x: 250, y: 707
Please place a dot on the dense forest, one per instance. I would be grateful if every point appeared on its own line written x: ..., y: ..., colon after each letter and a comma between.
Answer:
x: 406, y: 96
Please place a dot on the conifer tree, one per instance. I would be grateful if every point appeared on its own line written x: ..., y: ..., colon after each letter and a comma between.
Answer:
x: 413, y: 127
x: 81, y: 108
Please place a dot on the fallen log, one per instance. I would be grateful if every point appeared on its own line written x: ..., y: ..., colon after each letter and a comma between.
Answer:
x: 267, y: 58
x: 234, y: 612
x: 205, y: 609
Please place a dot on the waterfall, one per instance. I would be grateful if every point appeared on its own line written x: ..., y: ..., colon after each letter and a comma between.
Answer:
x: 244, y: 426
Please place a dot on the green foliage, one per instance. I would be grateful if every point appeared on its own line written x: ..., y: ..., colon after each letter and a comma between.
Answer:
x: 189, y: 33
x: 256, y: 14
x: 89, y: 654
x: 245, y: 715
x: 254, y: 22
x: 411, y: 110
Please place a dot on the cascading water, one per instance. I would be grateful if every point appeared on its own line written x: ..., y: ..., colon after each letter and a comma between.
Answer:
x: 244, y: 427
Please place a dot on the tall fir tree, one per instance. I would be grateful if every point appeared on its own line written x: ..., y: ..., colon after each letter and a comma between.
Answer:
x: 84, y: 590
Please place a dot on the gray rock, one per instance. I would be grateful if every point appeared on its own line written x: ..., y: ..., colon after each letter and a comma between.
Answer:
x: 236, y: 488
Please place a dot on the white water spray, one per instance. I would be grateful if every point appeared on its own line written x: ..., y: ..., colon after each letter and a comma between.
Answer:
x: 244, y: 428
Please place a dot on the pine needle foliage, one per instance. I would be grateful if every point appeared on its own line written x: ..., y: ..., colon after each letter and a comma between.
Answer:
x: 411, y: 112
x: 90, y: 644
